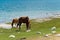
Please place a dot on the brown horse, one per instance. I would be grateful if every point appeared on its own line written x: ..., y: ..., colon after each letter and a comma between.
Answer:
x: 22, y: 20
x: 14, y: 21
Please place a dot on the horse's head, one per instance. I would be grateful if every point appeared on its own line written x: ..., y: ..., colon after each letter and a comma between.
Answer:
x: 14, y: 21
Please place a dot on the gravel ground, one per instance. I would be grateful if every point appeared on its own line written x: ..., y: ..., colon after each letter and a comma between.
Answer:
x: 52, y: 37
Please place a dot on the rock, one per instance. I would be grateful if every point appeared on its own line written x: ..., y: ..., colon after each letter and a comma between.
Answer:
x: 47, y: 35
x: 53, y: 28
x: 12, y: 36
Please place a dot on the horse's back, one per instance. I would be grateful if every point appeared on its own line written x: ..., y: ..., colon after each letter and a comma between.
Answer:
x: 24, y: 19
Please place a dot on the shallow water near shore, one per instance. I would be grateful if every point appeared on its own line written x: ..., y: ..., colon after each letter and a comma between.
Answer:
x: 5, y: 26
x: 8, y: 16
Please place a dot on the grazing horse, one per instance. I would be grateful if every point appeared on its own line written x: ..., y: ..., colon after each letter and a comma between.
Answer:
x: 21, y: 20
x: 24, y: 20
x: 14, y: 21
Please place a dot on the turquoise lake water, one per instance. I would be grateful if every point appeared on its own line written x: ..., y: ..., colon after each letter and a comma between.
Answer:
x: 10, y: 9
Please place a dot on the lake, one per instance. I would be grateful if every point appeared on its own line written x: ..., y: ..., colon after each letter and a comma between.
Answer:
x: 8, y: 16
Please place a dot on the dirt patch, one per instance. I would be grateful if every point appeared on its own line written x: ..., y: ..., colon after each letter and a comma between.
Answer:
x: 52, y: 37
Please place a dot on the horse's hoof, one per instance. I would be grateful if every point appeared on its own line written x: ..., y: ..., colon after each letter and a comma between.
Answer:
x: 28, y: 30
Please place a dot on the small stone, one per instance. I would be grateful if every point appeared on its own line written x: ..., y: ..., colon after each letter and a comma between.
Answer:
x: 46, y: 35
x: 12, y: 36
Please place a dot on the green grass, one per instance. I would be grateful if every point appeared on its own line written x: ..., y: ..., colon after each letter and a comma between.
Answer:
x: 35, y: 27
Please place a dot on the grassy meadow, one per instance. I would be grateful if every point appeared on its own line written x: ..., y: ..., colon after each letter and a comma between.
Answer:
x: 44, y: 28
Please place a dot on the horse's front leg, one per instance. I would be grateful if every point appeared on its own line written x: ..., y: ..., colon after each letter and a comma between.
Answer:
x: 28, y: 27
x: 12, y: 24
x: 20, y: 26
x: 17, y: 26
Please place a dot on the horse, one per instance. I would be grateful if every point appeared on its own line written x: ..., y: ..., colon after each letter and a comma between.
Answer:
x: 14, y: 21
x: 20, y: 21
x: 24, y: 20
